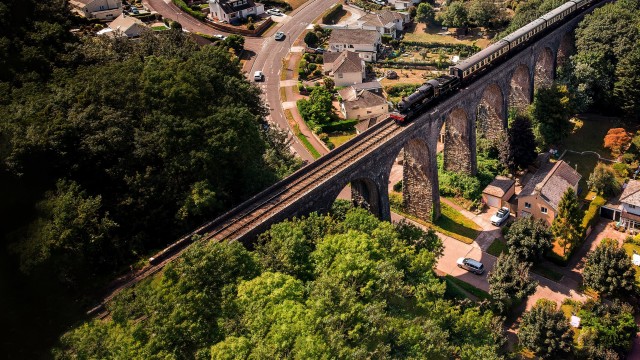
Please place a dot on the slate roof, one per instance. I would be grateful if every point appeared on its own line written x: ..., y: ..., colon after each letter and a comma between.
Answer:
x: 229, y: 7
x: 631, y: 193
x: 371, y: 85
x: 551, y: 181
x: 354, y: 36
x: 360, y: 99
x: 343, y: 62
x: 380, y: 19
x: 123, y: 23
x: 499, y: 186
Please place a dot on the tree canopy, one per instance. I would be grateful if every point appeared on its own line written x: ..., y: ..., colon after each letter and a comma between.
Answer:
x: 545, y: 331
x: 455, y: 15
x: 529, y: 238
x: 550, y: 111
x: 603, y: 180
x: 608, y: 270
x: 361, y: 288
x: 129, y: 145
x: 567, y: 225
x: 509, y: 281
x: 521, y: 144
x: 425, y: 13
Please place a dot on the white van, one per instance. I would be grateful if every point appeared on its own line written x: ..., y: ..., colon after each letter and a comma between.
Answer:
x: 258, y: 76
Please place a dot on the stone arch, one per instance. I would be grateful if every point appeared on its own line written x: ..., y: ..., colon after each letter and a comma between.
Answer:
x: 520, y: 94
x: 458, y: 154
x: 544, y: 69
x: 566, y: 48
x: 419, y: 181
x: 365, y: 194
x: 490, y: 113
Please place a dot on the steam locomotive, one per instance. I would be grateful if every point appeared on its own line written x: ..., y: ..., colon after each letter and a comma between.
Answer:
x: 464, y: 72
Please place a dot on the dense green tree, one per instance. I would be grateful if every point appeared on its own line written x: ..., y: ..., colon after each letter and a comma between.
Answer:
x: 603, y: 181
x: 608, y: 270
x: 545, y: 331
x: 483, y: 12
x: 528, y: 11
x: 370, y: 292
x: 550, y: 112
x: 529, y: 238
x: 567, y: 225
x: 318, y: 110
x: 455, y: 15
x: 425, y: 13
x: 606, y: 328
x: 522, y: 144
x: 236, y: 42
x: 606, y: 50
x: 311, y: 39
x: 509, y: 281
x: 72, y: 234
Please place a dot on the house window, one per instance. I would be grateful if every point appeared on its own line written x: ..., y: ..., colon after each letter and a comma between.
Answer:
x: 527, y: 205
x: 632, y: 206
x: 543, y: 210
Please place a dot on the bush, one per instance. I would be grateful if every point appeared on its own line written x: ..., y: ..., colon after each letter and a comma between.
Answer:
x: 251, y: 26
x: 312, y: 67
x: 317, y: 72
x: 621, y: 169
x: 397, y: 187
x: 457, y: 184
x: 345, y: 125
x: 400, y: 90
x: 628, y: 158
x: 277, y: 3
x: 334, y: 10
x: 591, y: 216
x: 196, y: 14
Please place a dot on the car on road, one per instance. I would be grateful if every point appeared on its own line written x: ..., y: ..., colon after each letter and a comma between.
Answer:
x: 279, y: 36
x: 219, y: 36
x: 500, y: 217
x: 471, y: 265
x: 275, y: 12
x: 258, y: 76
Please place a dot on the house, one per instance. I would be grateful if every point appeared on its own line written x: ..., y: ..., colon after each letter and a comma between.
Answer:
x: 386, y: 22
x: 498, y: 192
x: 540, y: 196
x: 625, y: 208
x: 345, y: 67
x: 362, y: 104
x: 97, y: 9
x: 125, y: 25
x: 363, y: 42
x: 234, y: 10
x: 403, y: 4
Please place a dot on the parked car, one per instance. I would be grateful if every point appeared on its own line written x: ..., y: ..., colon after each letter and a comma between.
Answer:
x: 471, y: 265
x: 279, y: 36
x: 219, y: 36
x: 258, y: 76
x: 275, y: 12
x: 500, y: 217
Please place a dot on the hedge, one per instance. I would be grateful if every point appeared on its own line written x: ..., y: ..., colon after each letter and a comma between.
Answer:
x: 277, y: 3
x: 196, y: 14
x: 401, y: 89
x: 344, y: 125
x: 437, y: 45
x: 331, y: 12
x: 412, y: 64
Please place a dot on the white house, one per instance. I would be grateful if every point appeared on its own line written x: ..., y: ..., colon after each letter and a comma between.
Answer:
x: 346, y: 67
x: 403, y: 4
x: 98, y: 9
x: 385, y: 22
x: 127, y: 26
x: 626, y: 209
x: 363, y: 42
x: 363, y: 102
x: 231, y: 10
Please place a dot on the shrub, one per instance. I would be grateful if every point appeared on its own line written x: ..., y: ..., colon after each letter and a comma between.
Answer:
x: 397, y: 187
x: 317, y: 72
x: 312, y: 67
x: 628, y: 158
x: 399, y: 90
x: 334, y: 10
x: 621, y: 169
x: 591, y: 216
x: 345, y: 125
x: 182, y: 5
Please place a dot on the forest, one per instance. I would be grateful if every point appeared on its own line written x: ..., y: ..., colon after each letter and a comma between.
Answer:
x: 338, y: 286
x: 110, y: 149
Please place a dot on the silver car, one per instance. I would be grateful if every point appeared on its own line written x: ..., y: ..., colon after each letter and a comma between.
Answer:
x: 471, y: 265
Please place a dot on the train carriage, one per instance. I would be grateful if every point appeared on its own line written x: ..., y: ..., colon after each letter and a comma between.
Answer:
x: 524, y: 34
x: 559, y: 13
x: 473, y: 65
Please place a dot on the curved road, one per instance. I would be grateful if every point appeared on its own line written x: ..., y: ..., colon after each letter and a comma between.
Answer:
x: 269, y: 53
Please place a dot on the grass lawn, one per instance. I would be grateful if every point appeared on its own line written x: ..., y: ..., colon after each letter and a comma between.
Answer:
x: 450, y: 223
x: 497, y: 247
x: 159, y: 28
x: 629, y: 248
x: 303, y: 139
x: 589, y: 131
x: 340, y: 138
x: 417, y: 32
x: 480, y: 294
x: 546, y: 272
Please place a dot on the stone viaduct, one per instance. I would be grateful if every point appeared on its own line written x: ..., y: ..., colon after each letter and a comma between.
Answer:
x: 480, y: 109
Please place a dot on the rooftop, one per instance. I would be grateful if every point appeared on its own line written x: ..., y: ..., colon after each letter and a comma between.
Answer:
x: 551, y: 181
x: 354, y: 36
x: 631, y: 193
x: 380, y: 19
x: 344, y: 62
x: 499, y: 186
x: 357, y: 99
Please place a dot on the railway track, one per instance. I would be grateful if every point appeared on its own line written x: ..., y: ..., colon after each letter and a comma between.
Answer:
x: 259, y: 208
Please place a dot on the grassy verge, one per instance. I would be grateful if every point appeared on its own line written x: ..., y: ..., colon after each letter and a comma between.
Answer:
x: 340, y: 138
x: 480, y: 294
x: 497, y: 247
x: 450, y: 223
x: 547, y: 273
x: 303, y: 139
x: 283, y: 94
